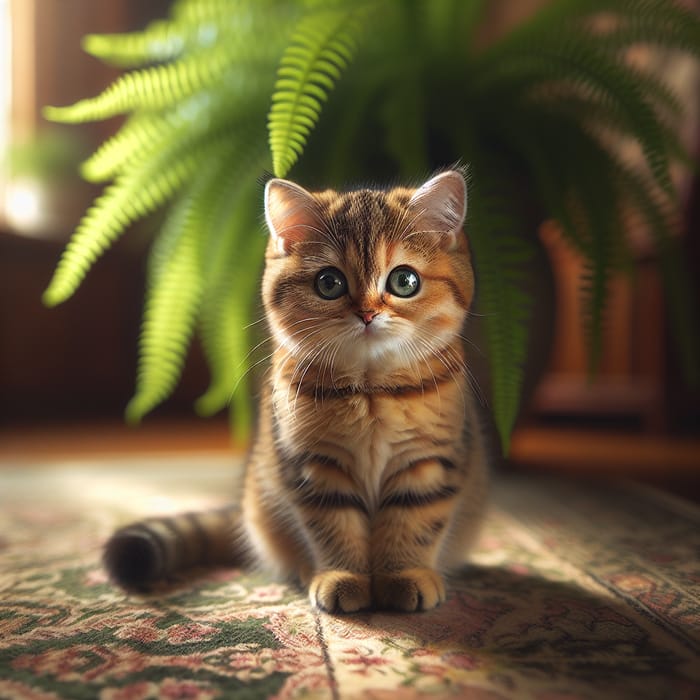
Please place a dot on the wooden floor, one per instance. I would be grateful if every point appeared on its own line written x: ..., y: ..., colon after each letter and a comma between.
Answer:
x: 100, y: 438
x: 585, y: 452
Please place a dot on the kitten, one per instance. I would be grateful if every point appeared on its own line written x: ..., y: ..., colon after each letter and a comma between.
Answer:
x: 367, y: 478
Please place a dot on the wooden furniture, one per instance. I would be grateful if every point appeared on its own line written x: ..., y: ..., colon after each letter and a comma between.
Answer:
x: 628, y: 388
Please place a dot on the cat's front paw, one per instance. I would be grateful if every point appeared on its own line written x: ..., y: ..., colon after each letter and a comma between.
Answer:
x: 408, y: 590
x: 340, y: 591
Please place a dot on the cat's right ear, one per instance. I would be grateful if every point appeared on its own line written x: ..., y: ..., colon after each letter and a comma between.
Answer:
x: 291, y: 214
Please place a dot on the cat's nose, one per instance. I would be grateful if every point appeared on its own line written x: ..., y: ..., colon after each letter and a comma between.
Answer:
x: 366, y: 316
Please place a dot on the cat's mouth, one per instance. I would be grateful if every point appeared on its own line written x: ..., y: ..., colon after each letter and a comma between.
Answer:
x: 371, y: 329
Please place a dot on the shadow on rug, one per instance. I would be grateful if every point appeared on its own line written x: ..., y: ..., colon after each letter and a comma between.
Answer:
x: 576, y: 592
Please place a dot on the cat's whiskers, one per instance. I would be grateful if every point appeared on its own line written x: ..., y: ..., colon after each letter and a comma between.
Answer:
x: 449, y: 358
x: 423, y: 357
x: 327, y: 365
x: 293, y: 355
x: 257, y: 321
x: 306, y: 361
x: 311, y: 361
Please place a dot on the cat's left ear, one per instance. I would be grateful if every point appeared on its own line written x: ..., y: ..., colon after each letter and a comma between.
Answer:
x: 440, y: 205
x: 290, y: 212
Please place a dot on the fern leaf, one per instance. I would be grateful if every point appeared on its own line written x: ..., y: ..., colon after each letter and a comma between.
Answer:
x: 148, y: 133
x: 138, y: 132
x: 500, y: 252
x: 654, y: 23
x: 226, y: 315
x: 131, y: 197
x: 180, y: 279
x: 128, y: 199
x: 192, y: 27
x: 196, y: 11
x: 450, y: 24
x: 611, y: 126
x: 171, y: 306
x: 230, y: 340
x: 578, y: 62
x: 659, y: 216
x: 171, y: 83
x: 595, y: 194
x: 403, y: 113
x: 232, y: 274
x: 149, y: 89
x: 321, y: 48
x: 161, y: 41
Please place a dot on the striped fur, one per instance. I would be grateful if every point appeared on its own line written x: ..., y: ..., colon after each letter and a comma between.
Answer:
x: 367, y: 478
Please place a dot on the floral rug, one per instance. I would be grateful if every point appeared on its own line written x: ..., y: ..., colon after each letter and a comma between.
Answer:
x: 576, y: 591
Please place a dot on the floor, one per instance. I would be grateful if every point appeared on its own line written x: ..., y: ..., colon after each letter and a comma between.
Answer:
x: 668, y: 462
x: 574, y: 591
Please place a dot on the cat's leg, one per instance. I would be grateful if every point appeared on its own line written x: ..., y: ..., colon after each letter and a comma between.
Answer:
x: 414, y: 513
x: 336, y: 527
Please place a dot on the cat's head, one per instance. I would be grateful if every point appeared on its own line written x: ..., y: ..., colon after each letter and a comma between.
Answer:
x: 368, y: 278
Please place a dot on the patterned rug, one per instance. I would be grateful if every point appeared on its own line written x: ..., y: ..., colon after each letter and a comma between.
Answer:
x: 576, y: 591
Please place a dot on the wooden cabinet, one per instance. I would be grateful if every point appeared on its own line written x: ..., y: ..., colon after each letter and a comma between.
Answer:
x: 628, y: 388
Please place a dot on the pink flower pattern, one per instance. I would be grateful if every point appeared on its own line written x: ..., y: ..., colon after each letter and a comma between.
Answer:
x: 546, y: 612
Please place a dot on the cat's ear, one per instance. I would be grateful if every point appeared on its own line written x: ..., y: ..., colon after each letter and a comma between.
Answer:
x: 440, y: 205
x: 290, y: 212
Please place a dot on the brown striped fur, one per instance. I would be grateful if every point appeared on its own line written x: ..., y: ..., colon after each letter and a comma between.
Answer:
x: 367, y: 478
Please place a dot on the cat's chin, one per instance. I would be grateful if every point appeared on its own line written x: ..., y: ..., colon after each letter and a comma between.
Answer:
x: 376, y: 350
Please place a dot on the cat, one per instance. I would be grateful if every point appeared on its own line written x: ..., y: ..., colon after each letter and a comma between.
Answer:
x: 367, y: 479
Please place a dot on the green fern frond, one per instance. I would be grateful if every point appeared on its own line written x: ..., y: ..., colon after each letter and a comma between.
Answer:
x: 226, y: 315
x: 192, y: 28
x: 654, y: 23
x: 594, y: 208
x: 146, y: 133
x: 161, y: 41
x: 320, y: 49
x: 593, y: 115
x: 172, y: 302
x: 545, y: 144
x: 500, y: 254
x: 594, y: 290
x: 229, y: 346
x: 138, y: 132
x: 132, y: 196
x: 149, y: 89
x: 449, y: 25
x: 165, y: 85
x: 195, y: 11
x: 127, y: 200
x: 231, y: 264
x: 182, y: 250
x: 403, y: 114
x: 580, y: 63
x: 565, y: 16
x: 660, y: 216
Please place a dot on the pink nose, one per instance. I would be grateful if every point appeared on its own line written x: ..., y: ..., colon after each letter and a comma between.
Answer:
x: 366, y: 316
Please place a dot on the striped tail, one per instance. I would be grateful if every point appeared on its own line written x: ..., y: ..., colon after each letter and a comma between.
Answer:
x: 154, y: 549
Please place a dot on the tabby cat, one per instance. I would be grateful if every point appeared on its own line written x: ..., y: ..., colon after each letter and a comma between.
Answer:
x: 367, y: 478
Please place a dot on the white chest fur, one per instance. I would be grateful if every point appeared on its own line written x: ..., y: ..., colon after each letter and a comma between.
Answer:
x: 372, y: 435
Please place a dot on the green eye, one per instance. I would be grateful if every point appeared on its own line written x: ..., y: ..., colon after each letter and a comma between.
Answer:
x: 403, y: 282
x: 330, y: 283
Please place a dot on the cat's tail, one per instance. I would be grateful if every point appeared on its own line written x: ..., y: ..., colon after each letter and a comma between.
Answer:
x: 154, y: 549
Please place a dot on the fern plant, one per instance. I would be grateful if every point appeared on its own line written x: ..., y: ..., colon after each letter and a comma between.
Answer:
x: 341, y: 91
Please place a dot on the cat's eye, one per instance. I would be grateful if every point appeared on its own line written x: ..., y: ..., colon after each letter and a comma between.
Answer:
x: 403, y: 282
x: 330, y: 283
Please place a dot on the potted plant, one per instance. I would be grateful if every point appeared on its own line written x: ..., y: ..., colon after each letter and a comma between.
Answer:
x: 343, y: 91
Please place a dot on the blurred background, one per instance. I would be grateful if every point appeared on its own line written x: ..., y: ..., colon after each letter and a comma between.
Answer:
x: 66, y: 374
